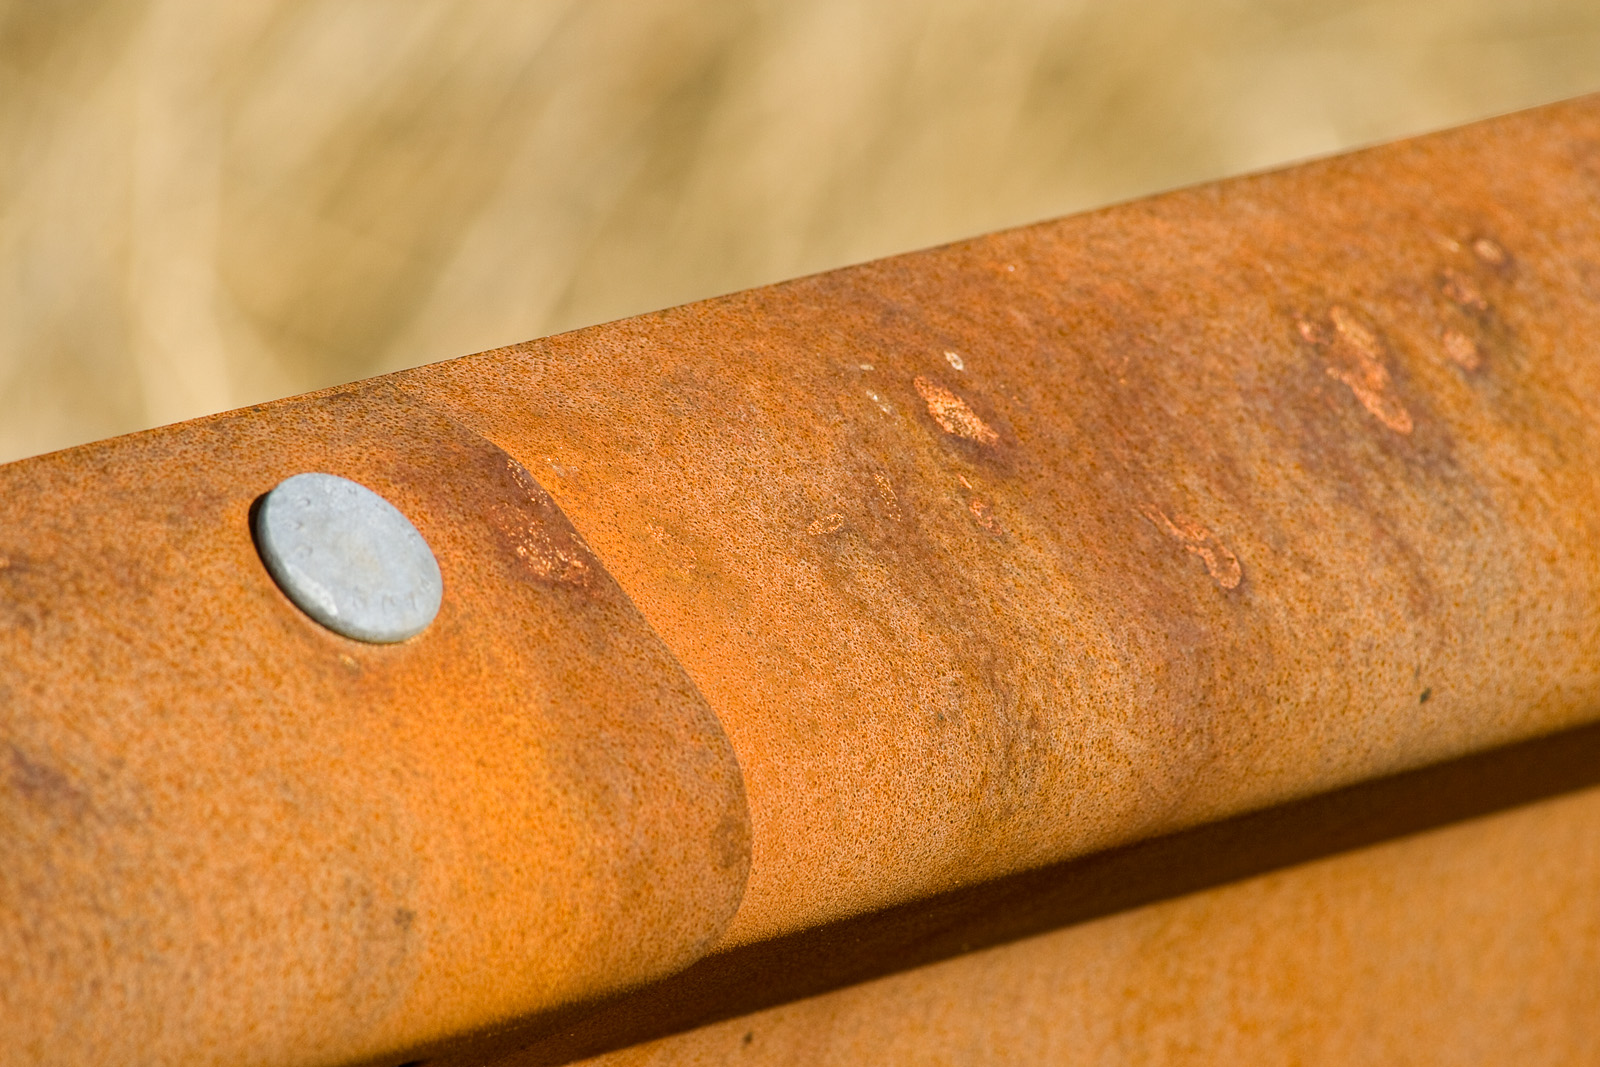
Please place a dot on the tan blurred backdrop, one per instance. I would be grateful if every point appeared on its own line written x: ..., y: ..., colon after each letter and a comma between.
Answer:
x: 205, y: 204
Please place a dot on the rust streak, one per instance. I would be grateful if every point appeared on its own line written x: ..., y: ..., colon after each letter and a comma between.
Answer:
x: 1489, y: 251
x: 886, y: 492
x: 1355, y: 358
x: 982, y: 512
x: 1462, y: 350
x: 826, y: 525
x: 1221, y: 563
x: 1463, y: 291
x: 953, y: 414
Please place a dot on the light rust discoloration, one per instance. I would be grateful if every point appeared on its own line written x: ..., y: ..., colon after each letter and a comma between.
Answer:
x: 1474, y: 334
x: 1462, y: 350
x: 983, y: 514
x: 542, y: 541
x: 953, y: 414
x: 1221, y: 563
x: 1463, y: 291
x: 886, y: 493
x: 880, y: 403
x: 1490, y: 252
x: 827, y: 524
x: 1356, y: 357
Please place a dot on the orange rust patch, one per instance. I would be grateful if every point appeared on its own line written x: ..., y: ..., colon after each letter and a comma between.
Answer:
x: 984, y: 514
x: 1221, y: 563
x: 825, y: 525
x: 1489, y: 252
x: 953, y: 414
x: 1355, y: 357
x: 1463, y: 291
x: 560, y: 558
x: 891, y: 501
x: 1462, y: 350
x: 534, y: 547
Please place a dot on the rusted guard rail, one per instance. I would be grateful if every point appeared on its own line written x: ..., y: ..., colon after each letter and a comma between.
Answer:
x: 1170, y: 632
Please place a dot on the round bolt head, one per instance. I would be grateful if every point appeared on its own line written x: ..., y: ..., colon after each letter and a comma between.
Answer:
x: 348, y: 558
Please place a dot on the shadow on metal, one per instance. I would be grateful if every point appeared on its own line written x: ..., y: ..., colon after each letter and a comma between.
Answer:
x: 860, y: 949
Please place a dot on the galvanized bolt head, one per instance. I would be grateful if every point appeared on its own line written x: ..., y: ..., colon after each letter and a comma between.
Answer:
x: 348, y: 558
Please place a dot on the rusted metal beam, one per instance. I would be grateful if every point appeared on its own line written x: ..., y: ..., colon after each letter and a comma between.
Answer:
x: 752, y: 987
x: 1475, y: 944
x: 808, y: 605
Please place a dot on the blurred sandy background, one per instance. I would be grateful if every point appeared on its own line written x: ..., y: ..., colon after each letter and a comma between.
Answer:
x: 205, y: 203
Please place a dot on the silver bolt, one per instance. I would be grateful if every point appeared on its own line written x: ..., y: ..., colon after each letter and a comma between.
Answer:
x: 348, y: 558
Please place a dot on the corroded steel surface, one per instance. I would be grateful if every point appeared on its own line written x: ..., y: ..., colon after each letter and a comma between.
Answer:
x: 748, y: 980
x: 234, y: 837
x: 876, y: 585
x: 1474, y: 945
x: 1020, y: 548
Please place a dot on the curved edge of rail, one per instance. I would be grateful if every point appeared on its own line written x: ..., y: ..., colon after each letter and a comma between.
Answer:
x: 233, y: 836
